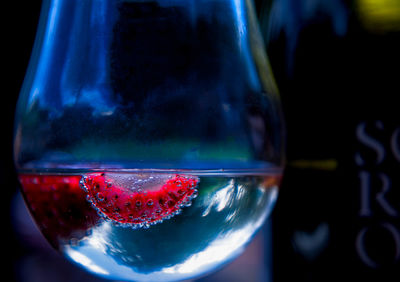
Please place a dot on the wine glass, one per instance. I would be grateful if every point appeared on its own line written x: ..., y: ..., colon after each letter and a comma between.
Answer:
x: 149, y: 134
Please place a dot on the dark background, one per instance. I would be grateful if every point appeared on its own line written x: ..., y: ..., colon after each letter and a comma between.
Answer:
x: 19, y: 22
x: 336, y: 64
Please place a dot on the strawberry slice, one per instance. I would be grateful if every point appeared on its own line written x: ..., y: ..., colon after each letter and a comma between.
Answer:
x: 139, y: 200
x: 58, y: 205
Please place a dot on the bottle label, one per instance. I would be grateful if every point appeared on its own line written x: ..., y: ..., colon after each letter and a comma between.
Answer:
x: 377, y: 160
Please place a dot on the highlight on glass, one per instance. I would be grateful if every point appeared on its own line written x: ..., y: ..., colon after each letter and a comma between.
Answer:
x: 149, y: 134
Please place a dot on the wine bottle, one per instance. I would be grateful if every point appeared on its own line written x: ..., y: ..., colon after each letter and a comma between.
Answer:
x: 337, y: 65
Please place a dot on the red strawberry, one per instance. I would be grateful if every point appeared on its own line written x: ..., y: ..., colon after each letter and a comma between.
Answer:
x: 139, y: 200
x: 58, y: 205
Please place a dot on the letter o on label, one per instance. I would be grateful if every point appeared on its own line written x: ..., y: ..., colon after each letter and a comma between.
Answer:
x: 361, y: 247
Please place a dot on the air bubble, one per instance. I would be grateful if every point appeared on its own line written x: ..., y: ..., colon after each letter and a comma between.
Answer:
x: 195, y: 194
x: 100, y: 196
x: 187, y: 203
x: 74, y: 242
x: 139, y: 200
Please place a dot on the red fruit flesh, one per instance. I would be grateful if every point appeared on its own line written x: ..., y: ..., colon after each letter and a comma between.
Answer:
x: 58, y: 205
x: 138, y: 200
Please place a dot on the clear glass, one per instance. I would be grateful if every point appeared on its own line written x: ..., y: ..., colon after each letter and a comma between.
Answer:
x: 149, y: 134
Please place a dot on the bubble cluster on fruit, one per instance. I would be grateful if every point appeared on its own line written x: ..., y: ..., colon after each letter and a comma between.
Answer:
x: 137, y: 201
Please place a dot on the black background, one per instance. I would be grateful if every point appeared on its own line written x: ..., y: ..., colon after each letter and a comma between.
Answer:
x: 19, y: 23
x: 336, y: 84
